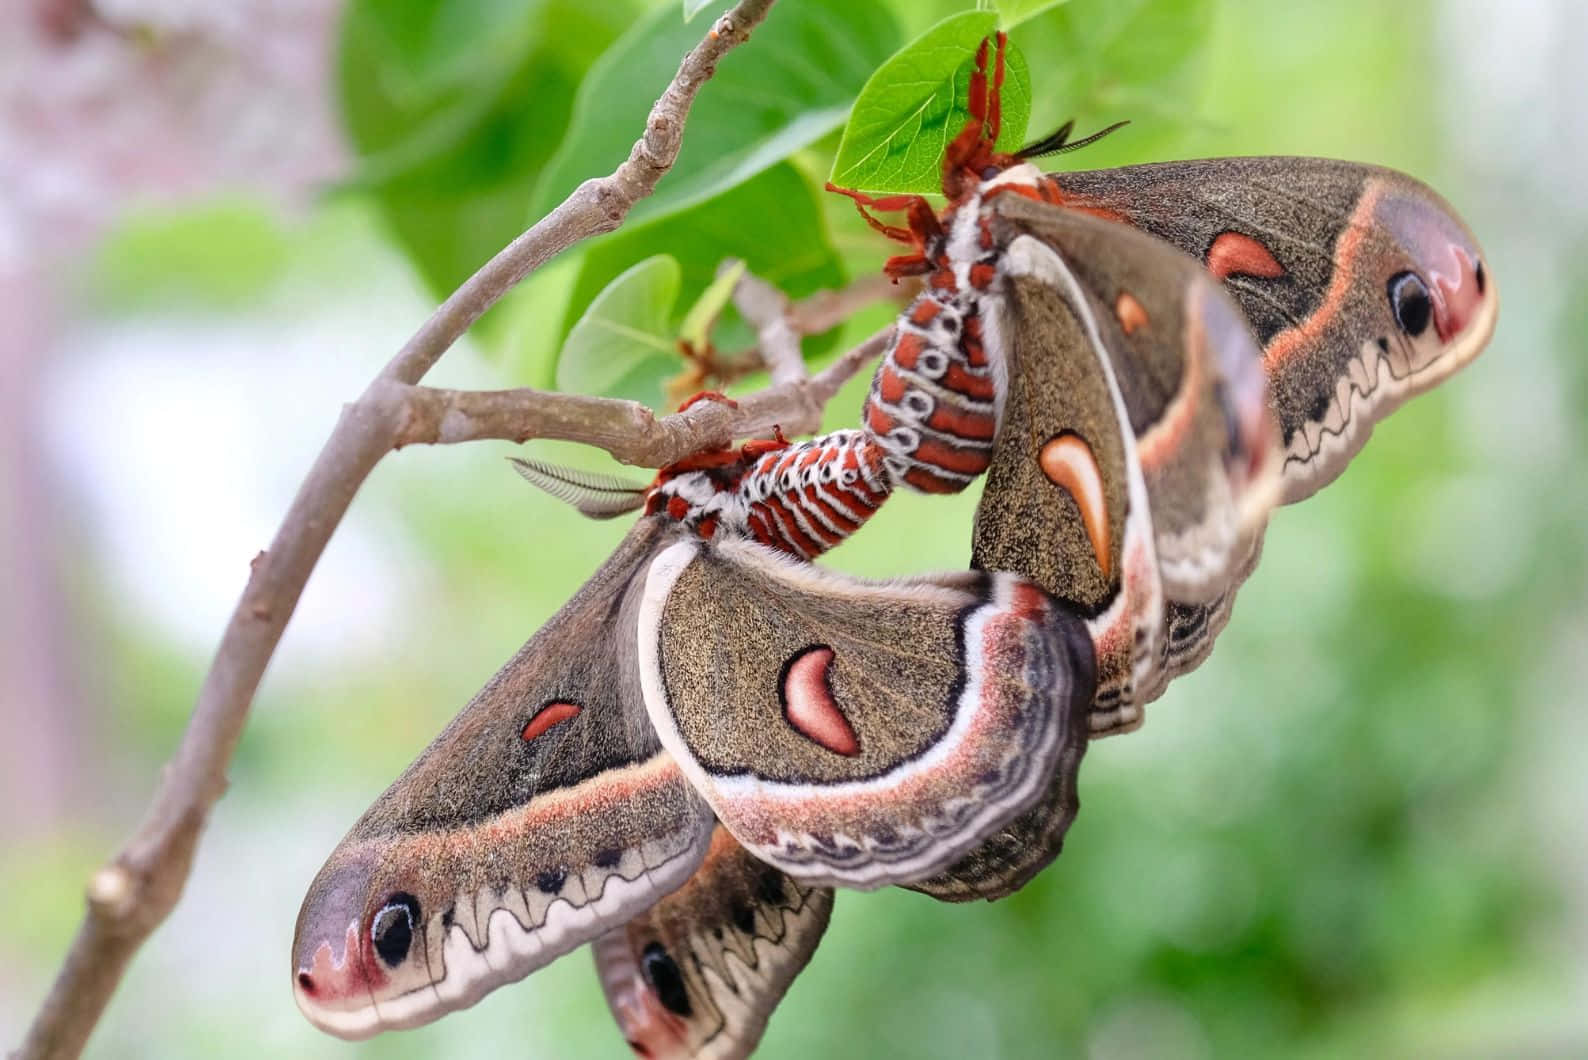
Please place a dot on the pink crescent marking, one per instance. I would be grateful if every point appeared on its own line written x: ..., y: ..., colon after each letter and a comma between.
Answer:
x: 808, y: 703
x: 1234, y: 254
x: 551, y: 714
x: 1068, y: 462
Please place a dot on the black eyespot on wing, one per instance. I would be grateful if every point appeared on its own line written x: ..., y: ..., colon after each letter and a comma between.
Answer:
x: 551, y: 881
x: 1409, y: 301
x: 392, y: 928
x: 1478, y: 276
x: 662, y: 973
x: 743, y: 917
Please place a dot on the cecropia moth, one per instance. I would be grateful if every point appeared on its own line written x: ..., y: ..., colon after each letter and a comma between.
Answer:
x: 715, y: 732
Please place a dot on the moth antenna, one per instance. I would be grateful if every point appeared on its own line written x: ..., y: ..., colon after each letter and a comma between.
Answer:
x: 1058, y: 142
x: 1051, y: 142
x: 594, y: 495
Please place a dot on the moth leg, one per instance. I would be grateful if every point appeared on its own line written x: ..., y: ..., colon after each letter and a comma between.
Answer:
x: 708, y: 395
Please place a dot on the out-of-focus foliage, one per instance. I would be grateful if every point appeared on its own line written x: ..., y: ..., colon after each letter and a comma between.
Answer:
x: 1337, y: 838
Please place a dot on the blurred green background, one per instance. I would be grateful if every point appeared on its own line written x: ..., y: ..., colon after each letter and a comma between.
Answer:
x: 1359, y: 829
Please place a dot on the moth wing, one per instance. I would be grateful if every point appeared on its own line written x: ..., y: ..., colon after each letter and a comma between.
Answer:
x: 1363, y: 286
x: 1113, y: 337
x: 852, y: 732
x: 699, y: 973
x: 1132, y: 474
x: 544, y: 815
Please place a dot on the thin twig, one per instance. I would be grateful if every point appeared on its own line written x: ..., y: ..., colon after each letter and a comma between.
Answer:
x: 769, y: 311
x: 811, y: 315
x: 133, y: 893
x: 626, y: 429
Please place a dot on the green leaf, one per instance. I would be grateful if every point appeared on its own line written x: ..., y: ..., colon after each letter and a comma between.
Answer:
x: 709, y: 306
x: 787, y: 245
x: 626, y: 324
x: 790, y: 86
x: 1013, y: 12
x: 220, y: 253
x: 694, y: 7
x: 918, y: 102
x: 454, y: 107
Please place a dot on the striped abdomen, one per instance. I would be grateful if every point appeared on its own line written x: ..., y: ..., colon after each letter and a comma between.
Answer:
x: 932, y: 404
x: 809, y: 497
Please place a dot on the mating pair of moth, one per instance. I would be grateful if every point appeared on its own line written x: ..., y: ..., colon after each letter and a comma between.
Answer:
x: 715, y: 732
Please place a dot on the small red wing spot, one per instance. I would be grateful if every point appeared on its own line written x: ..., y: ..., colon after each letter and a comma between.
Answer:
x: 1234, y: 254
x: 925, y: 312
x: 552, y: 713
x: 808, y: 703
x: 677, y: 507
x: 1132, y: 315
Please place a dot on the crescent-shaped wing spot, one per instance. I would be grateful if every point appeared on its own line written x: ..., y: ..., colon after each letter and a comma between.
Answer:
x: 1235, y: 254
x: 1068, y: 462
x: 808, y: 702
x: 552, y: 713
x: 1132, y: 314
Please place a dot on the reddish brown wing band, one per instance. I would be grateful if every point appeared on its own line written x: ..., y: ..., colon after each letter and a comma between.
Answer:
x: 940, y: 710
x: 698, y: 974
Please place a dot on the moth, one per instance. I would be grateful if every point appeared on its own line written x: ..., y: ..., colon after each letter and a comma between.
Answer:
x: 715, y: 732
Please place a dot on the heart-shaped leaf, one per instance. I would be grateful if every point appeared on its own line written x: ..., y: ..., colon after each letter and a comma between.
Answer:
x: 787, y: 245
x: 918, y: 101
x: 627, y: 324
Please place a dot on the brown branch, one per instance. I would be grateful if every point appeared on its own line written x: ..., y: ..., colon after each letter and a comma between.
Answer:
x: 132, y: 894
x: 626, y: 429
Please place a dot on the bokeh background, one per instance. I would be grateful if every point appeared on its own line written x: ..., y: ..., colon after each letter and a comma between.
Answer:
x: 1359, y: 829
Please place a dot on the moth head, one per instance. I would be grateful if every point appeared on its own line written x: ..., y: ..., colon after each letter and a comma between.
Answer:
x: 362, y: 957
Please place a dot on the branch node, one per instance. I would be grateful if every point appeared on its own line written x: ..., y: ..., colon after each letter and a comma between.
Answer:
x: 110, y: 892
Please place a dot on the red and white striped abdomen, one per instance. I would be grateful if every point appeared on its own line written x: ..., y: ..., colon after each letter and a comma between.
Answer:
x: 933, y: 401
x: 809, y: 497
